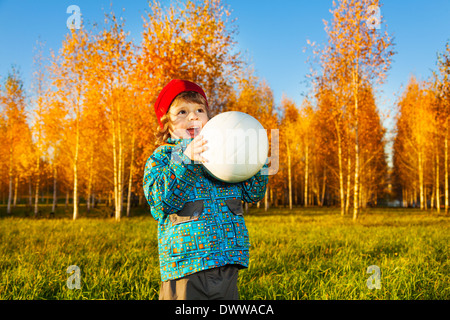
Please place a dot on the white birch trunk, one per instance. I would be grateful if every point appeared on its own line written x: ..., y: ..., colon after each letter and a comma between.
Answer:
x: 438, y: 195
x: 55, y: 199
x: 446, y: 166
x: 306, y: 176
x: 130, y: 180
x: 341, y: 172
x: 421, y: 191
x: 289, y: 176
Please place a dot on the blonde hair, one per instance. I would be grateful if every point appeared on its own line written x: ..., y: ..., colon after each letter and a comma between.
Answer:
x: 188, y: 96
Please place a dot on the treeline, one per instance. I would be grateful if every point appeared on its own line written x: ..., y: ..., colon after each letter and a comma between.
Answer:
x: 86, y: 127
x: 340, y: 141
x: 421, y: 156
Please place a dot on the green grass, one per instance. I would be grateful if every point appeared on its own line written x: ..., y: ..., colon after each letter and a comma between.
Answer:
x: 314, y: 254
x: 300, y: 254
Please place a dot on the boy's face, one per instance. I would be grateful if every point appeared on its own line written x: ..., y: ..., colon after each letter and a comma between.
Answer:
x: 187, y: 120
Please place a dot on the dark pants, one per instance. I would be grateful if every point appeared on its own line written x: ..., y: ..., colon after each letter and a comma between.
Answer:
x: 212, y: 284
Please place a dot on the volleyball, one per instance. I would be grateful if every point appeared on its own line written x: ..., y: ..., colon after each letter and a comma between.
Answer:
x: 237, y: 146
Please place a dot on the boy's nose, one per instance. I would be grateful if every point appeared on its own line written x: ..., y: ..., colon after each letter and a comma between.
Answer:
x: 193, y: 116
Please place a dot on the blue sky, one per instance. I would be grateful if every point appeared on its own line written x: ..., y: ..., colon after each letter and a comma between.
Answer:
x: 272, y: 34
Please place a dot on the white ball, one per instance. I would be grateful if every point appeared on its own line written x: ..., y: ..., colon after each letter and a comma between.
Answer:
x: 237, y: 146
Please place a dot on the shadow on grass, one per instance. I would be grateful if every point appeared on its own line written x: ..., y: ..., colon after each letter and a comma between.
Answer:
x: 63, y: 212
x: 301, y: 211
x: 369, y: 217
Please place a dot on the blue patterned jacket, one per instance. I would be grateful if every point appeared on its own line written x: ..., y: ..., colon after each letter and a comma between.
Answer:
x: 200, y: 219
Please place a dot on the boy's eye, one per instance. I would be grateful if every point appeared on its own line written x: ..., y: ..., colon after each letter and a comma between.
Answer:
x: 181, y: 112
x: 200, y: 110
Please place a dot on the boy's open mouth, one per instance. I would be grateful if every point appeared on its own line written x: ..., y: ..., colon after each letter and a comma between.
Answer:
x: 193, y: 131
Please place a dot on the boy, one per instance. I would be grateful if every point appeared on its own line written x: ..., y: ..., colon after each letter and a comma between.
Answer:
x: 202, y: 237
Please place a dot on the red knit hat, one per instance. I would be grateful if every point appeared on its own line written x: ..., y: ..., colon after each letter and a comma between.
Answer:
x: 169, y: 93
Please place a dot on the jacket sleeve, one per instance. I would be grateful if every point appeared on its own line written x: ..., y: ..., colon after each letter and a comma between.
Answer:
x: 168, y: 177
x: 254, y: 189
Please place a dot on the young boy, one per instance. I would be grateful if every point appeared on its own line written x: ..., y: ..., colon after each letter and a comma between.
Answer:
x: 202, y: 237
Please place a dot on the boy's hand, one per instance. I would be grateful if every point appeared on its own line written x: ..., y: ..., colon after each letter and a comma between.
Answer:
x: 195, y: 148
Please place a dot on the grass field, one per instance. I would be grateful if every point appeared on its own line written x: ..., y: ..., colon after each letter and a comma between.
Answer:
x: 300, y: 254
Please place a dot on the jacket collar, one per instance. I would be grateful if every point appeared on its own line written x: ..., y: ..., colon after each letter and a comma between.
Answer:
x: 179, y: 143
x: 183, y: 142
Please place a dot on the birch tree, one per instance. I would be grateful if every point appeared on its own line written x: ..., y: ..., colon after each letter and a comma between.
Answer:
x: 68, y: 76
x: 110, y: 62
x: 358, y: 52
x: 414, y: 134
x: 40, y: 94
x: 290, y: 127
x: 442, y: 82
x: 13, y: 112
